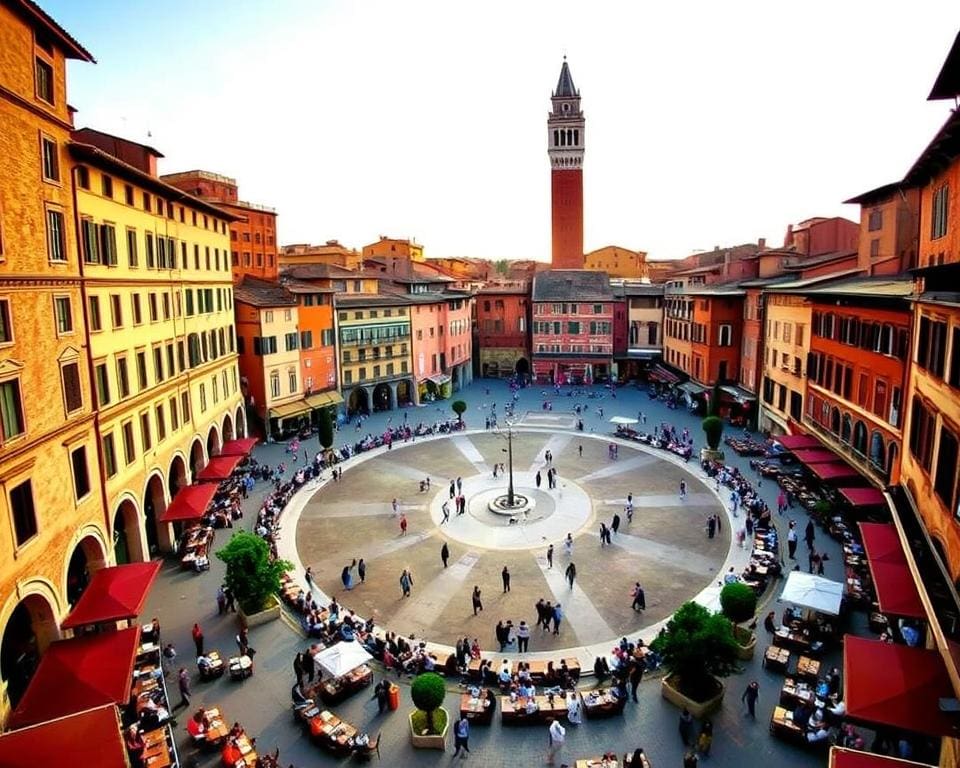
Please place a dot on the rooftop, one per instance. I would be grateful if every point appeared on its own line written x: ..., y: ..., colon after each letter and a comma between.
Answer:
x: 350, y: 300
x: 880, y: 287
x: 939, y: 153
x: 71, y: 48
x: 875, y: 195
x: 818, y: 260
x: 947, y: 85
x: 263, y: 293
x: 298, y: 286
x: 572, y: 285
x: 325, y: 271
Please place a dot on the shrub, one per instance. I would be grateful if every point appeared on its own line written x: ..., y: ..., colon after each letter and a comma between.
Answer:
x: 713, y: 429
x: 325, y: 429
x: 251, y: 575
x: 459, y: 407
x: 739, y: 602
x: 697, y: 646
x: 428, y: 692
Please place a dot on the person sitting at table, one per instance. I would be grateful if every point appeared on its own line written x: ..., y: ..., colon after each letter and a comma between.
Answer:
x: 505, y: 676
x: 197, y: 727
x: 769, y: 623
x: 523, y: 672
x: 135, y: 745
x: 849, y: 737
x: 550, y: 675
x: 429, y: 662
x: 487, y: 675
x: 801, y: 715
x: 564, y: 675
x: 298, y: 697
x: 204, y: 665
x: 475, y: 649
x: 574, y: 715
x: 531, y: 706
x: 601, y: 669
x: 835, y: 710
x: 231, y: 754
x: 346, y: 632
x: 817, y: 735
x: 527, y: 689
x: 638, y: 759
x: 152, y: 714
x: 489, y: 700
x: 236, y: 731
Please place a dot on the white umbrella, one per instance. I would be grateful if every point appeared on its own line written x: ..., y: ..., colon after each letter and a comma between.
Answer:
x: 622, y: 420
x: 814, y: 592
x: 339, y: 659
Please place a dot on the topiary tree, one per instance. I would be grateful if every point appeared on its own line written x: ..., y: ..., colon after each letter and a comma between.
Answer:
x: 251, y: 575
x: 713, y: 429
x: 697, y: 646
x: 325, y: 429
x: 459, y: 407
x: 713, y: 407
x: 428, y: 692
x: 739, y: 602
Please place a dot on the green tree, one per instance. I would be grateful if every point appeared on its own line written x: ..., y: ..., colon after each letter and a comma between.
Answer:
x: 739, y: 602
x: 697, y: 646
x: 428, y: 691
x: 459, y: 407
x: 326, y: 429
x: 713, y: 429
x: 252, y: 575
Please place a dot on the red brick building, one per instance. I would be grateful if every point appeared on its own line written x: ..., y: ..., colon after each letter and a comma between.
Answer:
x: 889, y: 229
x: 503, y: 328
x: 565, y: 142
x: 253, y: 239
x: 820, y: 235
x: 572, y: 326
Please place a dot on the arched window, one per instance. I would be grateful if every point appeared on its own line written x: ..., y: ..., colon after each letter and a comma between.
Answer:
x: 563, y: 138
x: 860, y: 438
x: 576, y: 137
x: 877, y: 450
x: 845, y: 429
x: 556, y: 138
x: 835, y: 420
x: 569, y: 137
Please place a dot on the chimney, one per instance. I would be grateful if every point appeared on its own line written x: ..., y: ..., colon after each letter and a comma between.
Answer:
x: 762, y: 243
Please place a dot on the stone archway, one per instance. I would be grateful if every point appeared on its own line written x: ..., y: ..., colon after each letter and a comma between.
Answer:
x: 404, y: 392
x: 227, y: 429
x: 241, y: 424
x: 213, y: 442
x: 177, y: 476
x: 87, y: 557
x: 522, y: 368
x: 31, y: 627
x: 154, y: 504
x: 129, y: 542
x: 381, y: 397
x: 197, y: 458
x: 358, y: 402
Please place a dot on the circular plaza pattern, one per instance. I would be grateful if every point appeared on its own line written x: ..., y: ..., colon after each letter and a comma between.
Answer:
x: 665, y: 547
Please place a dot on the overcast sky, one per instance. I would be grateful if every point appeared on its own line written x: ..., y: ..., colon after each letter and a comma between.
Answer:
x: 707, y: 123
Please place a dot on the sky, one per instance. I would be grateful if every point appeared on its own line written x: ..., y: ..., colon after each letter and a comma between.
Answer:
x: 706, y: 123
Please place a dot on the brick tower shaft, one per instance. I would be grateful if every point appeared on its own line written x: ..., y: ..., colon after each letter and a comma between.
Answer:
x: 565, y: 146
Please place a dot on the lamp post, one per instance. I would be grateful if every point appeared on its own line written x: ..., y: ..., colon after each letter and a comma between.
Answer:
x: 508, y: 435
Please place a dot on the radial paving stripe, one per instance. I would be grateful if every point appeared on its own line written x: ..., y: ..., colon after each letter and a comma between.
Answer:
x: 665, y: 500
x: 395, y: 545
x: 427, y: 601
x: 405, y: 470
x: 374, y: 509
x: 616, y: 467
x: 664, y: 554
x: 471, y: 454
x: 556, y: 445
x: 578, y: 610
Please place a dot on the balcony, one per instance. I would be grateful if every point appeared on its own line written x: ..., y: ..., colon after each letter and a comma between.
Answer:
x: 374, y: 342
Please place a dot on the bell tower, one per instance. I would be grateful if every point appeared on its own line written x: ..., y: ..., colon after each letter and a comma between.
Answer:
x: 565, y: 143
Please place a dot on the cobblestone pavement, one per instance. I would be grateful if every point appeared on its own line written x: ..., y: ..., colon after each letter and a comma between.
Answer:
x: 262, y: 703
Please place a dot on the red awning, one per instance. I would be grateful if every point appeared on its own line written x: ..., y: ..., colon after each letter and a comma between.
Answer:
x: 79, y: 674
x: 863, y: 497
x: 190, y: 503
x: 836, y: 471
x: 219, y: 468
x: 659, y: 373
x: 896, y: 590
x: 114, y: 594
x: 852, y: 758
x: 240, y: 447
x: 90, y: 738
x: 814, y: 456
x: 790, y: 442
x: 894, y: 685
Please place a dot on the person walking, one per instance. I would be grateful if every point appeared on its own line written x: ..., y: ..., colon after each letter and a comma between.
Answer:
x: 406, y: 582
x: 309, y: 664
x: 792, y: 540
x: 686, y: 727
x: 396, y: 506
x: 711, y: 527
x: 604, y: 533
x: 444, y: 554
x: 557, y: 618
x: 502, y: 633
x: 690, y: 759
x: 459, y: 486
x: 550, y: 556
x: 637, y: 668
x: 615, y: 523
x: 547, y: 616
x: 750, y: 696
x: 683, y: 490
x: 461, y: 737
x: 198, y: 639
x: 183, y: 682
x: 453, y: 488
x: 538, y: 478
x: 580, y: 451
x: 568, y: 545
x: 505, y: 576
x: 523, y: 637
x: 445, y: 508
x: 403, y: 525
x: 705, y: 740
x: 781, y: 502
x: 639, y: 598
x: 809, y: 534
x: 362, y: 570
x: 221, y: 601
x: 571, y: 573
x: 556, y: 734
x: 477, y: 603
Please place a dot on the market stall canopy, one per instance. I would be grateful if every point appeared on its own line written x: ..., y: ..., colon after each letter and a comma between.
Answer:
x: 814, y: 592
x: 897, y: 686
x: 814, y: 456
x: 219, y: 468
x: 439, y: 379
x: 854, y: 758
x: 792, y: 442
x: 190, y: 503
x: 836, y: 471
x: 79, y: 674
x: 659, y: 373
x: 622, y: 420
x: 339, y: 659
x: 897, y: 593
x: 89, y: 738
x: 240, y: 447
x: 114, y: 594
x: 863, y: 497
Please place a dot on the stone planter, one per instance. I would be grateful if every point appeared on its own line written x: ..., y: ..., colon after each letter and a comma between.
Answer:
x: 261, y: 617
x: 708, y: 454
x: 698, y: 709
x: 430, y: 741
x: 746, y: 643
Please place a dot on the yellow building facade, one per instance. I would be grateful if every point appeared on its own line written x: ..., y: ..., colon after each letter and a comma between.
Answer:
x: 158, y: 302
x: 390, y: 247
x: 618, y: 262
x: 786, y: 346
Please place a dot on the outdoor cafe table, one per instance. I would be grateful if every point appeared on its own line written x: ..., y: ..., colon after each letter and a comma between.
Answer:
x: 808, y: 669
x: 248, y: 755
x: 515, y: 711
x: 476, y: 708
x: 782, y: 726
x: 217, y: 729
x: 604, y: 703
x: 240, y: 667
x: 332, y: 732
x: 795, y: 692
x: 597, y: 762
x: 776, y: 659
x: 335, y: 689
x: 157, y: 751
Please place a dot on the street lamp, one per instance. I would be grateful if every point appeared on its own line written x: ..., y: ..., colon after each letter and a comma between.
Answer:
x: 507, y: 434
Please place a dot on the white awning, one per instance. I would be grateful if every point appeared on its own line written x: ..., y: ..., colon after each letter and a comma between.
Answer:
x: 739, y: 393
x: 339, y: 659
x: 439, y: 379
x: 622, y: 420
x: 814, y: 592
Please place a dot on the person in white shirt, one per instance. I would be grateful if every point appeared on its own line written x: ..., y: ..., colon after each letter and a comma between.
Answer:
x: 573, y: 709
x: 555, y: 735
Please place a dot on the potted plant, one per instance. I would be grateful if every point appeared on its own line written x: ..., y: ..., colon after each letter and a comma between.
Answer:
x: 253, y: 577
x: 739, y: 604
x: 713, y: 430
x: 459, y: 407
x: 325, y: 430
x: 697, y: 647
x: 429, y: 722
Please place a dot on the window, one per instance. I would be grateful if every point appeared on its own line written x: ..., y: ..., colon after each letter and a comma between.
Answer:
x: 174, y: 417
x: 123, y: 378
x: 290, y: 341
x: 326, y: 337
x: 953, y: 377
x: 81, y: 478
x: 875, y: 248
x: 142, y: 370
x: 203, y: 398
x: 24, y: 514
x: 275, y: 384
x: 106, y: 185
x: 292, y: 381
x: 161, y: 424
x: 129, y: 448
x: 158, y: 363
x: 44, y: 81
x: 137, y: 309
x: 922, y: 426
x: 598, y: 309
x: 725, y: 336
x: 128, y: 194
x: 152, y: 307
x: 306, y: 339
x: 185, y: 406
x: 56, y: 243
x: 50, y: 157
x: 109, y: 455
x: 103, y: 384
x: 63, y: 314
x: 132, y: 258
x: 875, y: 220
x: 108, y: 244
x: 72, y: 393
x: 938, y: 218
x: 932, y: 346
x: 573, y: 328
x: 945, y: 481
x: 11, y: 410
x: 145, y: 437
x: 116, y: 310
x: 6, y: 323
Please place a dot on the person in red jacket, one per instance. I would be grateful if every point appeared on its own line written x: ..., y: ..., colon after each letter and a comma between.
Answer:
x: 198, y: 639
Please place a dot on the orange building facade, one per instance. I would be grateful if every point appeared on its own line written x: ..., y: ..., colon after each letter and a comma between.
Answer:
x: 331, y: 252
x: 618, y: 262
x: 442, y: 345
x: 503, y: 328
x: 318, y: 352
x: 390, y: 247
